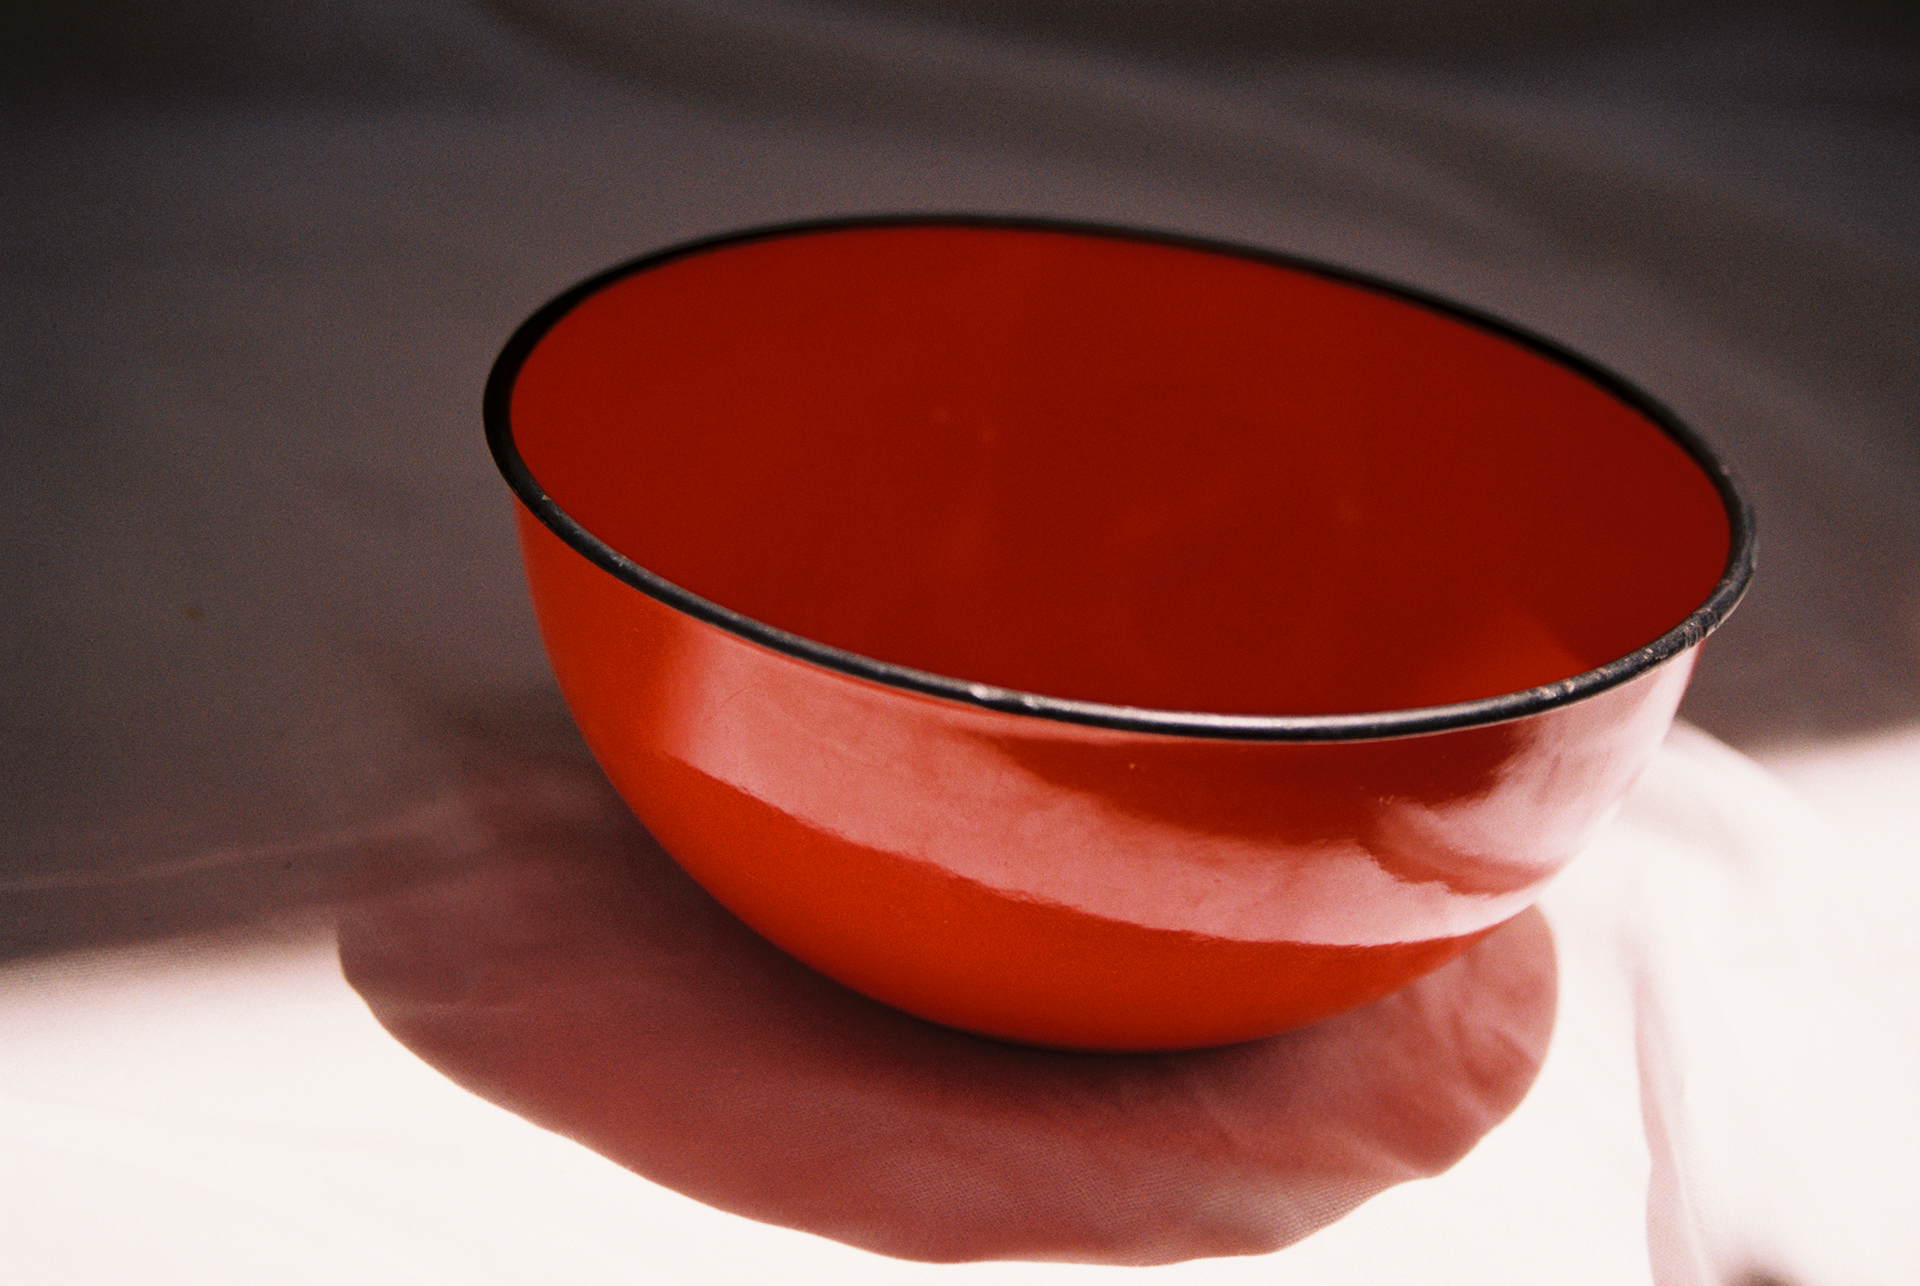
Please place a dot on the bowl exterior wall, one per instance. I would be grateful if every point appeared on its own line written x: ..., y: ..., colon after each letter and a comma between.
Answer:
x: 1067, y: 885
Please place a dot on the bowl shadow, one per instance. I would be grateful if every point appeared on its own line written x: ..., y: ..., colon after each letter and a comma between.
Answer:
x: 567, y: 970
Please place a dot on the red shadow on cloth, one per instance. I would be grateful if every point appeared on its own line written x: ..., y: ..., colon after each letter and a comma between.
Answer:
x: 573, y: 974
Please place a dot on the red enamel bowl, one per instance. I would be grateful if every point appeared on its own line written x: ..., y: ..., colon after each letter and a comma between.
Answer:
x: 1097, y: 639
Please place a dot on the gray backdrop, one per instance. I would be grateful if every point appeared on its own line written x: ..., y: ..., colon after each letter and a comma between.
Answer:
x: 262, y: 598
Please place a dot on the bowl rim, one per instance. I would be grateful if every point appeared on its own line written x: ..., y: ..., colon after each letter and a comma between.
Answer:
x: 1375, y: 725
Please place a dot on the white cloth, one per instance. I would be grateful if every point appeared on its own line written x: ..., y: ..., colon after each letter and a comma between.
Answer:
x: 225, y: 1109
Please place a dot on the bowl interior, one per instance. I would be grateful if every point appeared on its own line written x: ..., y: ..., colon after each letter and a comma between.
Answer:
x: 1116, y: 470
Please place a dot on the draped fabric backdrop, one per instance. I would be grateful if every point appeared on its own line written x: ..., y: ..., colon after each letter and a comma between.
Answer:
x: 269, y: 665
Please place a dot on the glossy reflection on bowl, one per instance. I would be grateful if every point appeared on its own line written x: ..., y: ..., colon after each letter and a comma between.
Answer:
x: 1094, y: 639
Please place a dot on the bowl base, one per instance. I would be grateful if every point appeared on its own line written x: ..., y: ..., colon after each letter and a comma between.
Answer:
x: 959, y: 953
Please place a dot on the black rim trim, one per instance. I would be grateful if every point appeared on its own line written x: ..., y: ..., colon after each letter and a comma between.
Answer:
x: 1356, y: 727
